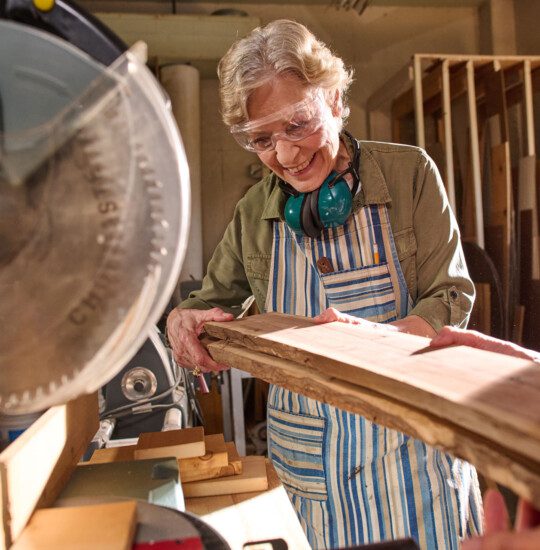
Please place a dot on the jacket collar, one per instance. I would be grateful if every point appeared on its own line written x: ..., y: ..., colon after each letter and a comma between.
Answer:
x: 373, y: 188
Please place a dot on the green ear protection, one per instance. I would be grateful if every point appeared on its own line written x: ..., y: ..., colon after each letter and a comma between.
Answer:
x: 327, y: 206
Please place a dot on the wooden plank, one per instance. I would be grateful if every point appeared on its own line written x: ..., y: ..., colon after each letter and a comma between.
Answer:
x: 35, y: 467
x: 501, y: 192
x: 497, y: 463
x: 448, y: 146
x: 184, y: 443
x: 528, y: 201
x: 211, y: 464
x: 484, y: 392
x: 252, y: 478
x: 106, y: 526
x: 111, y: 454
x: 179, y: 36
x: 475, y: 155
x: 418, y: 103
x: 254, y: 516
x: 505, y: 60
x: 481, y: 314
x: 500, y: 249
x: 528, y: 104
x: 527, y: 169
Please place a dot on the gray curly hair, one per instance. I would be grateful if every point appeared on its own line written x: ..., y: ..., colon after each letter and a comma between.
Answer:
x: 282, y: 47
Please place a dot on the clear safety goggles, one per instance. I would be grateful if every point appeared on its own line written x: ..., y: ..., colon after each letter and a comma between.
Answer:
x: 298, y: 121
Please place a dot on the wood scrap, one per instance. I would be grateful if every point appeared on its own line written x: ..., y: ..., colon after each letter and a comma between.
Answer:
x: 106, y: 526
x: 486, y: 402
x: 214, y: 463
x: 252, y: 478
x: 35, y: 467
x: 184, y: 443
x: 111, y: 454
x: 235, y: 460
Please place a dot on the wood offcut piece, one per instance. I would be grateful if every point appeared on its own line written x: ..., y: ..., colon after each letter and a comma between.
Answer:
x: 211, y: 464
x: 252, y: 478
x: 479, y: 405
x: 112, y: 454
x: 35, y: 467
x: 106, y: 526
x: 184, y: 443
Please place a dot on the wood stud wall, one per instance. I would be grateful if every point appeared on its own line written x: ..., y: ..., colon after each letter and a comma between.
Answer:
x: 475, y: 115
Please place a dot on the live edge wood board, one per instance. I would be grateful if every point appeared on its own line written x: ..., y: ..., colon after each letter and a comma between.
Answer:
x: 480, y: 406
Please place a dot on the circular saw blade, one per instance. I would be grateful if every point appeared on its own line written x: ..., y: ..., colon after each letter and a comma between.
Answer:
x: 96, y: 203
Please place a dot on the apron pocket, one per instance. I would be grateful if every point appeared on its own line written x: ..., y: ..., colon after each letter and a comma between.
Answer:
x: 296, y: 447
x: 366, y: 292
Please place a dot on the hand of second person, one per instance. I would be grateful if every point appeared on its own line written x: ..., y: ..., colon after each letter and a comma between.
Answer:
x: 497, y: 535
x: 184, y: 326
x: 452, y: 336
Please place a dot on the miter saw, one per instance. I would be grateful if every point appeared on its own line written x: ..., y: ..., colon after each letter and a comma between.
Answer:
x: 94, y: 211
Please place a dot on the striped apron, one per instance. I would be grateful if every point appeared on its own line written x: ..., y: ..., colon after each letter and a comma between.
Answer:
x: 349, y: 480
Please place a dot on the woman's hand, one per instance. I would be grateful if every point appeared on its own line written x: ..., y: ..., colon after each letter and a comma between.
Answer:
x: 496, y: 530
x: 184, y: 326
x: 452, y: 336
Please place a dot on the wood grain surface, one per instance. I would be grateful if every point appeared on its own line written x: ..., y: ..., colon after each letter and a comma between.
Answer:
x: 478, y: 405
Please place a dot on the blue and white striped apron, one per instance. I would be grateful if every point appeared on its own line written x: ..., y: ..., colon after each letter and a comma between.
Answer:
x: 349, y: 480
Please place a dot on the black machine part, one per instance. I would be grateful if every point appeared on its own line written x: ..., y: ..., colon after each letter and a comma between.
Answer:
x: 69, y: 22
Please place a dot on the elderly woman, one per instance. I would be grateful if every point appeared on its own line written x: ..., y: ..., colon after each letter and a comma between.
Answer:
x: 361, y: 227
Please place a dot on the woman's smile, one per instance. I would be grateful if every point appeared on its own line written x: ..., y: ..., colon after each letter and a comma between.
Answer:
x: 304, y: 163
x: 296, y: 170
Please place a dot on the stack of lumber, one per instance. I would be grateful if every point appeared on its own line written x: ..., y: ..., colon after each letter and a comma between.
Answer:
x: 478, y: 405
x: 208, y: 466
x: 475, y: 115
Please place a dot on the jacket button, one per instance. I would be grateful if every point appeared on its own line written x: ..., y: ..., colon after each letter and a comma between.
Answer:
x: 325, y: 265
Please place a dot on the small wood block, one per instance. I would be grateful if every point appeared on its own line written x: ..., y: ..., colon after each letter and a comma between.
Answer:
x: 252, y: 478
x: 105, y: 526
x: 185, y: 443
x: 209, y: 465
x: 111, y: 454
x: 235, y: 461
x: 233, y: 467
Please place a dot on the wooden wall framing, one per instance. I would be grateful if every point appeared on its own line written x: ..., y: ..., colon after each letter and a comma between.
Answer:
x: 475, y: 115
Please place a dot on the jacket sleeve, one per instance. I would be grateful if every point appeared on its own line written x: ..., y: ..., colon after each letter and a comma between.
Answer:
x: 225, y: 284
x: 445, y: 292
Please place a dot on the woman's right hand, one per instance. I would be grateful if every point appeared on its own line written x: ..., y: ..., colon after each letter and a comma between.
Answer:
x: 184, y: 326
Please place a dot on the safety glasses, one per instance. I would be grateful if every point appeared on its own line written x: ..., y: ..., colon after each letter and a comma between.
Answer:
x: 297, y: 121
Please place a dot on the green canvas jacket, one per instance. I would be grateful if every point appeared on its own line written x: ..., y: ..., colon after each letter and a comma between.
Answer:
x: 425, y: 233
